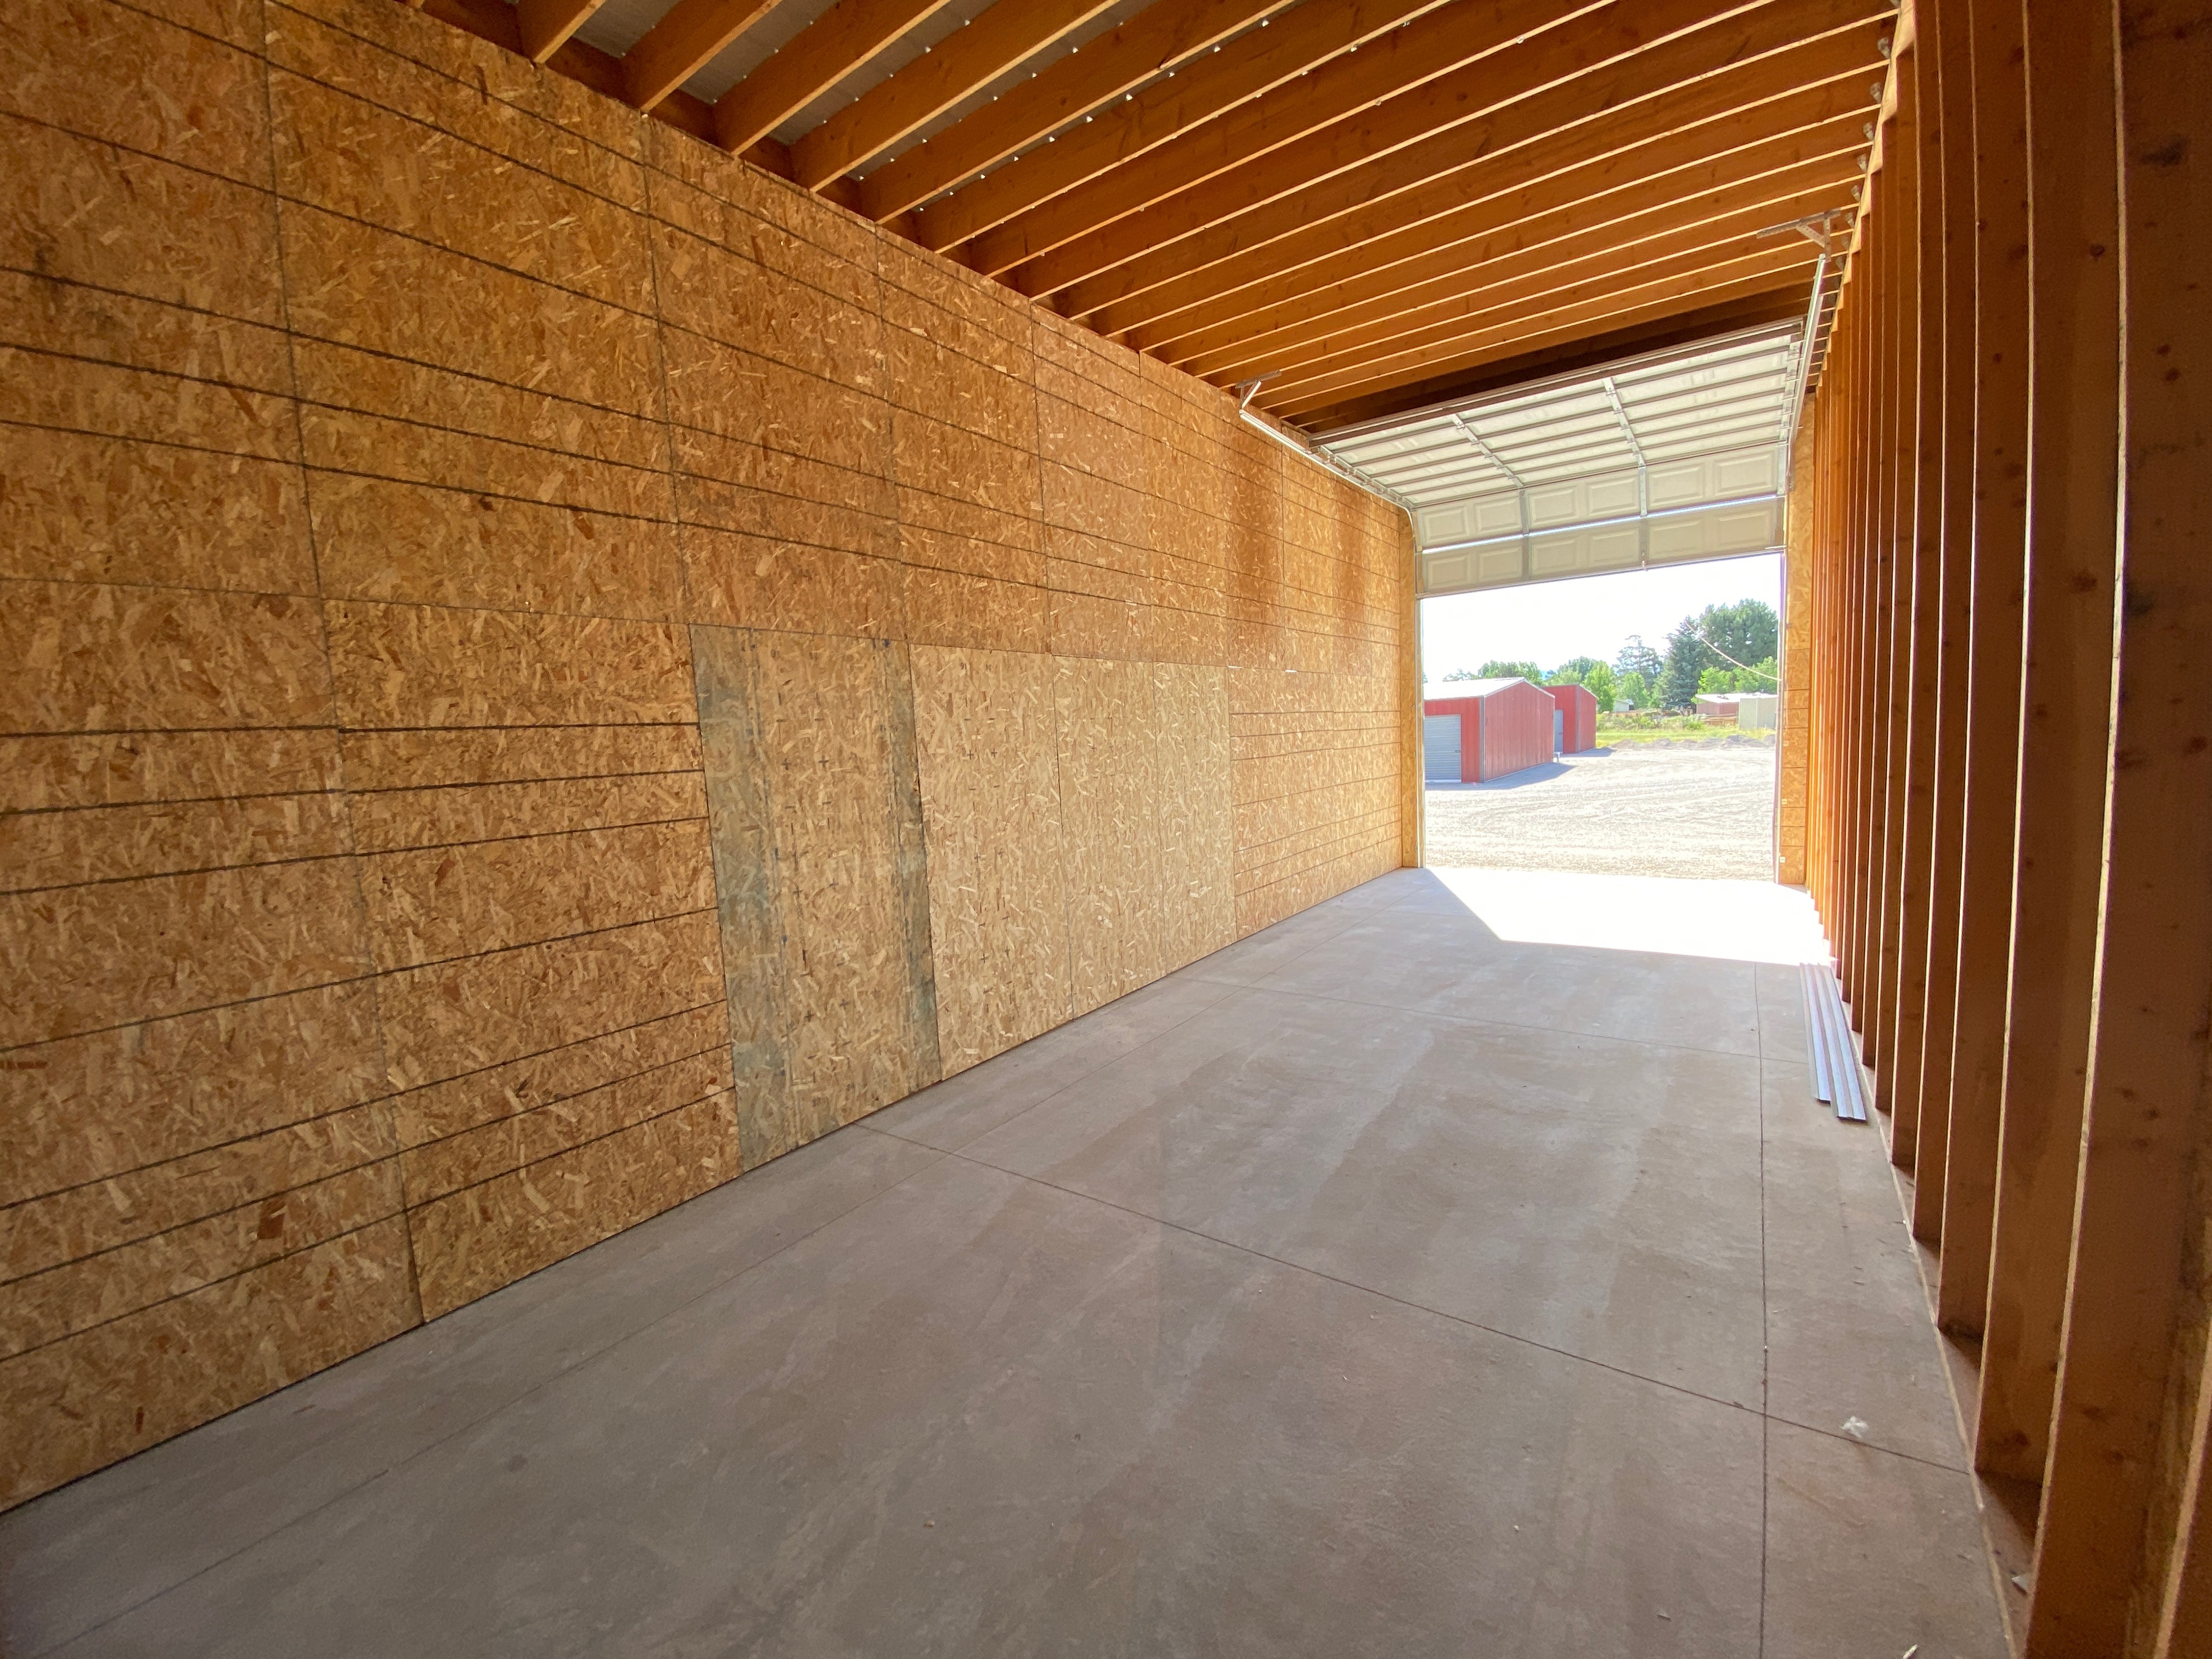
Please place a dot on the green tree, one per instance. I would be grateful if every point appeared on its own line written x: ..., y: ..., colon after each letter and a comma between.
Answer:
x: 1638, y: 659
x: 1741, y: 636
x: 1462, y: 674
x: 1601, y: 683
x: 1631, y: 691
x: 1494, y: 670
x: 1576, y: 671
x: 1687, y: 658
x: 1716, y: 680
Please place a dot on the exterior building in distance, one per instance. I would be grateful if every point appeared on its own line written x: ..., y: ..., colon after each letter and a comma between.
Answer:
x: 1486, y: 729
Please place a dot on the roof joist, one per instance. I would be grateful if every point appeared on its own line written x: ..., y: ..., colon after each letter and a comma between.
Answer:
x: 1102, y: 70
x: 1451, y: 301
x: 1595, y: 307
x: 964, y: 63
x: 1668, y: 206
x: 822, y: 53
x: 1280, y: 50
x: 1429, y: 49
x: 1359, y: 255
x: 1748, y: 57
x: 686, y: 39
x: 546, y: 25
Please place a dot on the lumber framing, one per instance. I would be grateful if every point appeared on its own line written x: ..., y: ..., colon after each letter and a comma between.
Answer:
x: 968, y: 60
x: 1612, y: 187
x: 1587, y: 230
x: 824, y: 52
x: 1359, y: 163
x: 1162, y: 35
x: 1419, y: 74
x: 545, y: 25
x: 683, y: 43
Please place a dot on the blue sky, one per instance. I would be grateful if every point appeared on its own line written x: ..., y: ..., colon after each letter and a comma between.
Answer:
x: 1592, y: 615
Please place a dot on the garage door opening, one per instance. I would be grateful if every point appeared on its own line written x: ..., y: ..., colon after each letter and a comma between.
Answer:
x: 1600, y: 562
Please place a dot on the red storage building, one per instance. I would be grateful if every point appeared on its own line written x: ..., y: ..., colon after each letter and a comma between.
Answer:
x: 1578, y: 722
x: 1489, y: 728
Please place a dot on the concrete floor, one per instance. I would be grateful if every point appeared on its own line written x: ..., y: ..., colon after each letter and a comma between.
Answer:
x: 1440, y: 1272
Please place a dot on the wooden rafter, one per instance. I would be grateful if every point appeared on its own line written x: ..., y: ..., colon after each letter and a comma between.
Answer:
x: 1426, y: 51
x: 546, y: 25
x: 1613, y: 252
x: 1551, y: 246
x: 1578, y: 199
x: 1163, y: 34
x: 1255, y: 63
x: 966, y: 61
x: 1572, y: 350
x: 1637, y: 96
x: 821, y: 55
x: 1359, y: 253
x: 688, y: 37
x: 1601, y: 303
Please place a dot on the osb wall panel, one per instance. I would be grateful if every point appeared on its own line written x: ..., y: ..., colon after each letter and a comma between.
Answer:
x: 543, y: 668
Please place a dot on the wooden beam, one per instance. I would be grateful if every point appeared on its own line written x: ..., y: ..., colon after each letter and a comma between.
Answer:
x: 1357, y: 255
x: 2141, y: 1210
x: 1253, y: 63
x: 1589, y: 304
x: 1647, y: 98
x: 545, y: 25
x: 496, y: 21
x: 2001, y: 142
x: 1115, y: 63
x: 1921, y: 513
x: 821, y: 55
x: 1544, y: 290
x: 962, y: 64
x: 2073, y: 372
x: 1560, y: 236
x: 1735, y: 149
x: 1609, y: 250
x: 1440, y: 47
x: 1566, y: 327
x: 688, y: 37
x: 1940, y: 26
x: 1574, y: 356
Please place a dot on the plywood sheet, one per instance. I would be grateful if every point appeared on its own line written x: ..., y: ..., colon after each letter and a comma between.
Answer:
x: 470, y: 1242
x: 93, y: 1108
x: 79, y: 959
x: 76, y: 658
x: 456, y: 1017
x: 105, y: 1393
x: 998, y: 905
x: 1110, y: 828
x: 424, y: 665
x: 1197, y: 821
x: 432, y: 904
x: 818, y: 848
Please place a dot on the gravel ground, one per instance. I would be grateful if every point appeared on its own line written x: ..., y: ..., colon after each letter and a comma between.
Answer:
x: 1695, y: 809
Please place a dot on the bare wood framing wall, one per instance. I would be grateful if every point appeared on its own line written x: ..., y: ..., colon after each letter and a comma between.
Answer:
x: 2009, y: 770
x: 545, y: 667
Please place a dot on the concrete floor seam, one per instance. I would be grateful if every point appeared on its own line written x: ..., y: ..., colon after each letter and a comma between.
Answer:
x: 1439, y: 1313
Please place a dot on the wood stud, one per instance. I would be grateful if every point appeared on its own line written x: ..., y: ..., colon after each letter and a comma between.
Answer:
x: 2008, y: 777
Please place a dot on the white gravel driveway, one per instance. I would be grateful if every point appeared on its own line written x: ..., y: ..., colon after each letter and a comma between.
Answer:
x: 1699, y: 811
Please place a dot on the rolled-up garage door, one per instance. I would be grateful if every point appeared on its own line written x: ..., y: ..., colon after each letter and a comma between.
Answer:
x: 1440, y: 746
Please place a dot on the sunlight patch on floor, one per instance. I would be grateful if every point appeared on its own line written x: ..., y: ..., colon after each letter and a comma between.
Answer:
x: 1734, y: 921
